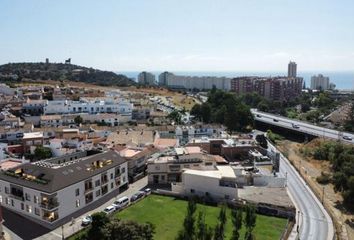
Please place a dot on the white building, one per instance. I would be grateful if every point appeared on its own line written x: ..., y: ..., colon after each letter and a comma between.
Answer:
x: 163, y: 78
x: 88, y: 106
x: 52, y: 191
x: 217, y: 184
x: 146, y: 78
x: 6, y: 90
x: 320, y: 82
x: 199, y: 83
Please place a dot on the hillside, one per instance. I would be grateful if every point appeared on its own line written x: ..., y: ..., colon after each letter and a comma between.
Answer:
x: 60, y: 71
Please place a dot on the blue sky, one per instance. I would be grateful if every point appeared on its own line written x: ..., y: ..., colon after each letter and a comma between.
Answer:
x: 181, y: 35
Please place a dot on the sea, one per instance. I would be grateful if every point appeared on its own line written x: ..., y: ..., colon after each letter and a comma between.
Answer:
x: 343, y: 80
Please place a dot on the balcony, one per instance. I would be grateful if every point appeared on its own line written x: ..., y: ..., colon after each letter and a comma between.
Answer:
x: 50, y: 216
x: 49, y: 203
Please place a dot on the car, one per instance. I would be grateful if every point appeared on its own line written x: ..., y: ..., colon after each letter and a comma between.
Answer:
x: 109, y: 210
x: 347, y: 138
x: 87, y: 220
x: 137, y: 196
x: 296, y: 126
x: 275, y: 120
x: 147, y: 191
x: 259, y: 116
x: 121, y: 202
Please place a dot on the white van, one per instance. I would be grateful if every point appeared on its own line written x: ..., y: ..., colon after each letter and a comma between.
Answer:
x: 121, y: 202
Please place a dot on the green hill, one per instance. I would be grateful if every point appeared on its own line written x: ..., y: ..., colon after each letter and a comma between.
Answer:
x: 60, y: 71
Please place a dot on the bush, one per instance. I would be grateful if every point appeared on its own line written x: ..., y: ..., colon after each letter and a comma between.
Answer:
x: 324, y: 178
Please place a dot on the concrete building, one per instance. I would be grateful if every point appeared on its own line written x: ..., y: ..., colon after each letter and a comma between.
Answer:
x: 273, y: 88
x: 292, y: 69
x: 197, y: 83
x: 6, y: 90
x: 52, y: 191
x: 88, y: 106
x: 320, y: 82
x: 213, y: 185
x: 146, y: 78
x: 167, y: 167
x: 163, y: 78
x: 31, y: 141
x: 34, y: 107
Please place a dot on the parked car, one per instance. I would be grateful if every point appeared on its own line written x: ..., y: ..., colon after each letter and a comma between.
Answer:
x: 347, y: 138
x: 137, y: 196
x: 86, y: 220
x: 121, y: 202
x: 109, y: 210
x: 296, y: 126
x: 259, y: 116
x: 275, y: 120
x: 147, y: 191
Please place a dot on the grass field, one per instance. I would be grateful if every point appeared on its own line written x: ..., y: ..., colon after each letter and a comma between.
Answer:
x: 167, y: 215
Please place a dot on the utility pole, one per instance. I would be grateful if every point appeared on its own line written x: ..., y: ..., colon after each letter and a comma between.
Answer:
x: 323, y: 188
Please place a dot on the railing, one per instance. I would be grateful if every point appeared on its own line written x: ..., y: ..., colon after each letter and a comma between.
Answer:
x: 49, y: 205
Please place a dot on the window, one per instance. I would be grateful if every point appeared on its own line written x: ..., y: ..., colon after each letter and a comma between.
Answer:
x: 6, y: 190
x: 97, y: 183
x: 12, y: 203
x: 22, y: 206
x: 0, y: 199
x: 29, y: 208
x: 123, y: 178
x: 7, y: 201
x: 36, y: 211
x: 35, y: 199
x: 192, y: 191
x: 77, y: 202
x: 28, y: 197
x: 112, y: 185
x: 77, y: 192
x: 162, y: 177
x: 98, y: 193
x: 111, y: 175
x: 123, y: 170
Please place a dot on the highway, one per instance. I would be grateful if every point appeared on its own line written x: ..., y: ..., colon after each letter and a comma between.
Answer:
x: 302, y: 127
x: 314, y: 221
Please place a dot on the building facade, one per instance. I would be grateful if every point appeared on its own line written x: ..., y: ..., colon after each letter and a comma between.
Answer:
x: 320, y: 82
x: 292, y: 69
x: 146, y: 78
x: 49, y: 192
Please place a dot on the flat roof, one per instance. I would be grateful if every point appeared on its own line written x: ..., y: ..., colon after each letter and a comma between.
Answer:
x: 33, y: 135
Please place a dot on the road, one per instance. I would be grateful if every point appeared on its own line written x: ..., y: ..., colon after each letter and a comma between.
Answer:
x: 314, y: 221
x: 69, y: 228
x: 300, y: 126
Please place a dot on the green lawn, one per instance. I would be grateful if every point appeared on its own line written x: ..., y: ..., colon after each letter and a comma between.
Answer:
x: 167, y: 215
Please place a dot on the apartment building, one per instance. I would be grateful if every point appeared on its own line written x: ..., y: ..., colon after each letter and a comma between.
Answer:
x: 197, y: 83
x: 320, y: 82
x: 273, y: 88
x: 167, y: 167
x: 146, y: 78
x: 34, y: 107
x: 88, y: 106
x: 52, y: 191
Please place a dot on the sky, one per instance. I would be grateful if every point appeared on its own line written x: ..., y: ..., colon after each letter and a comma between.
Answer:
x: 180, y: 35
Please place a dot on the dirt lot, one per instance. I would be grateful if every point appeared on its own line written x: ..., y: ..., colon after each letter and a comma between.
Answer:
x: 310, y: 169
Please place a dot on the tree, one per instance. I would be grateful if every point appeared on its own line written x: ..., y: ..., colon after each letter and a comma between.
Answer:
x: 175, y: 116
x: 220, y: 227
x: 127, y: 230
x: 78, y: 119
x: 250, y: 221
x: 236, y: 215
x: 262, y: 140
x: 206, y: 112
x: 99, y: 221
x: 188, y: 231
x: 42, y: 153
x: 196, y: 111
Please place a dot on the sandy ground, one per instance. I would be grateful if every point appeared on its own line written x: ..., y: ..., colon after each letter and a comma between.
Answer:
x: 310, y: 169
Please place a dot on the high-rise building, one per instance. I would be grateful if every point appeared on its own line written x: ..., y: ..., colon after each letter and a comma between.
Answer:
x: 146, y: 78
x: 292, y: 66
x: 320, y: 82
x: 163, y: 78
